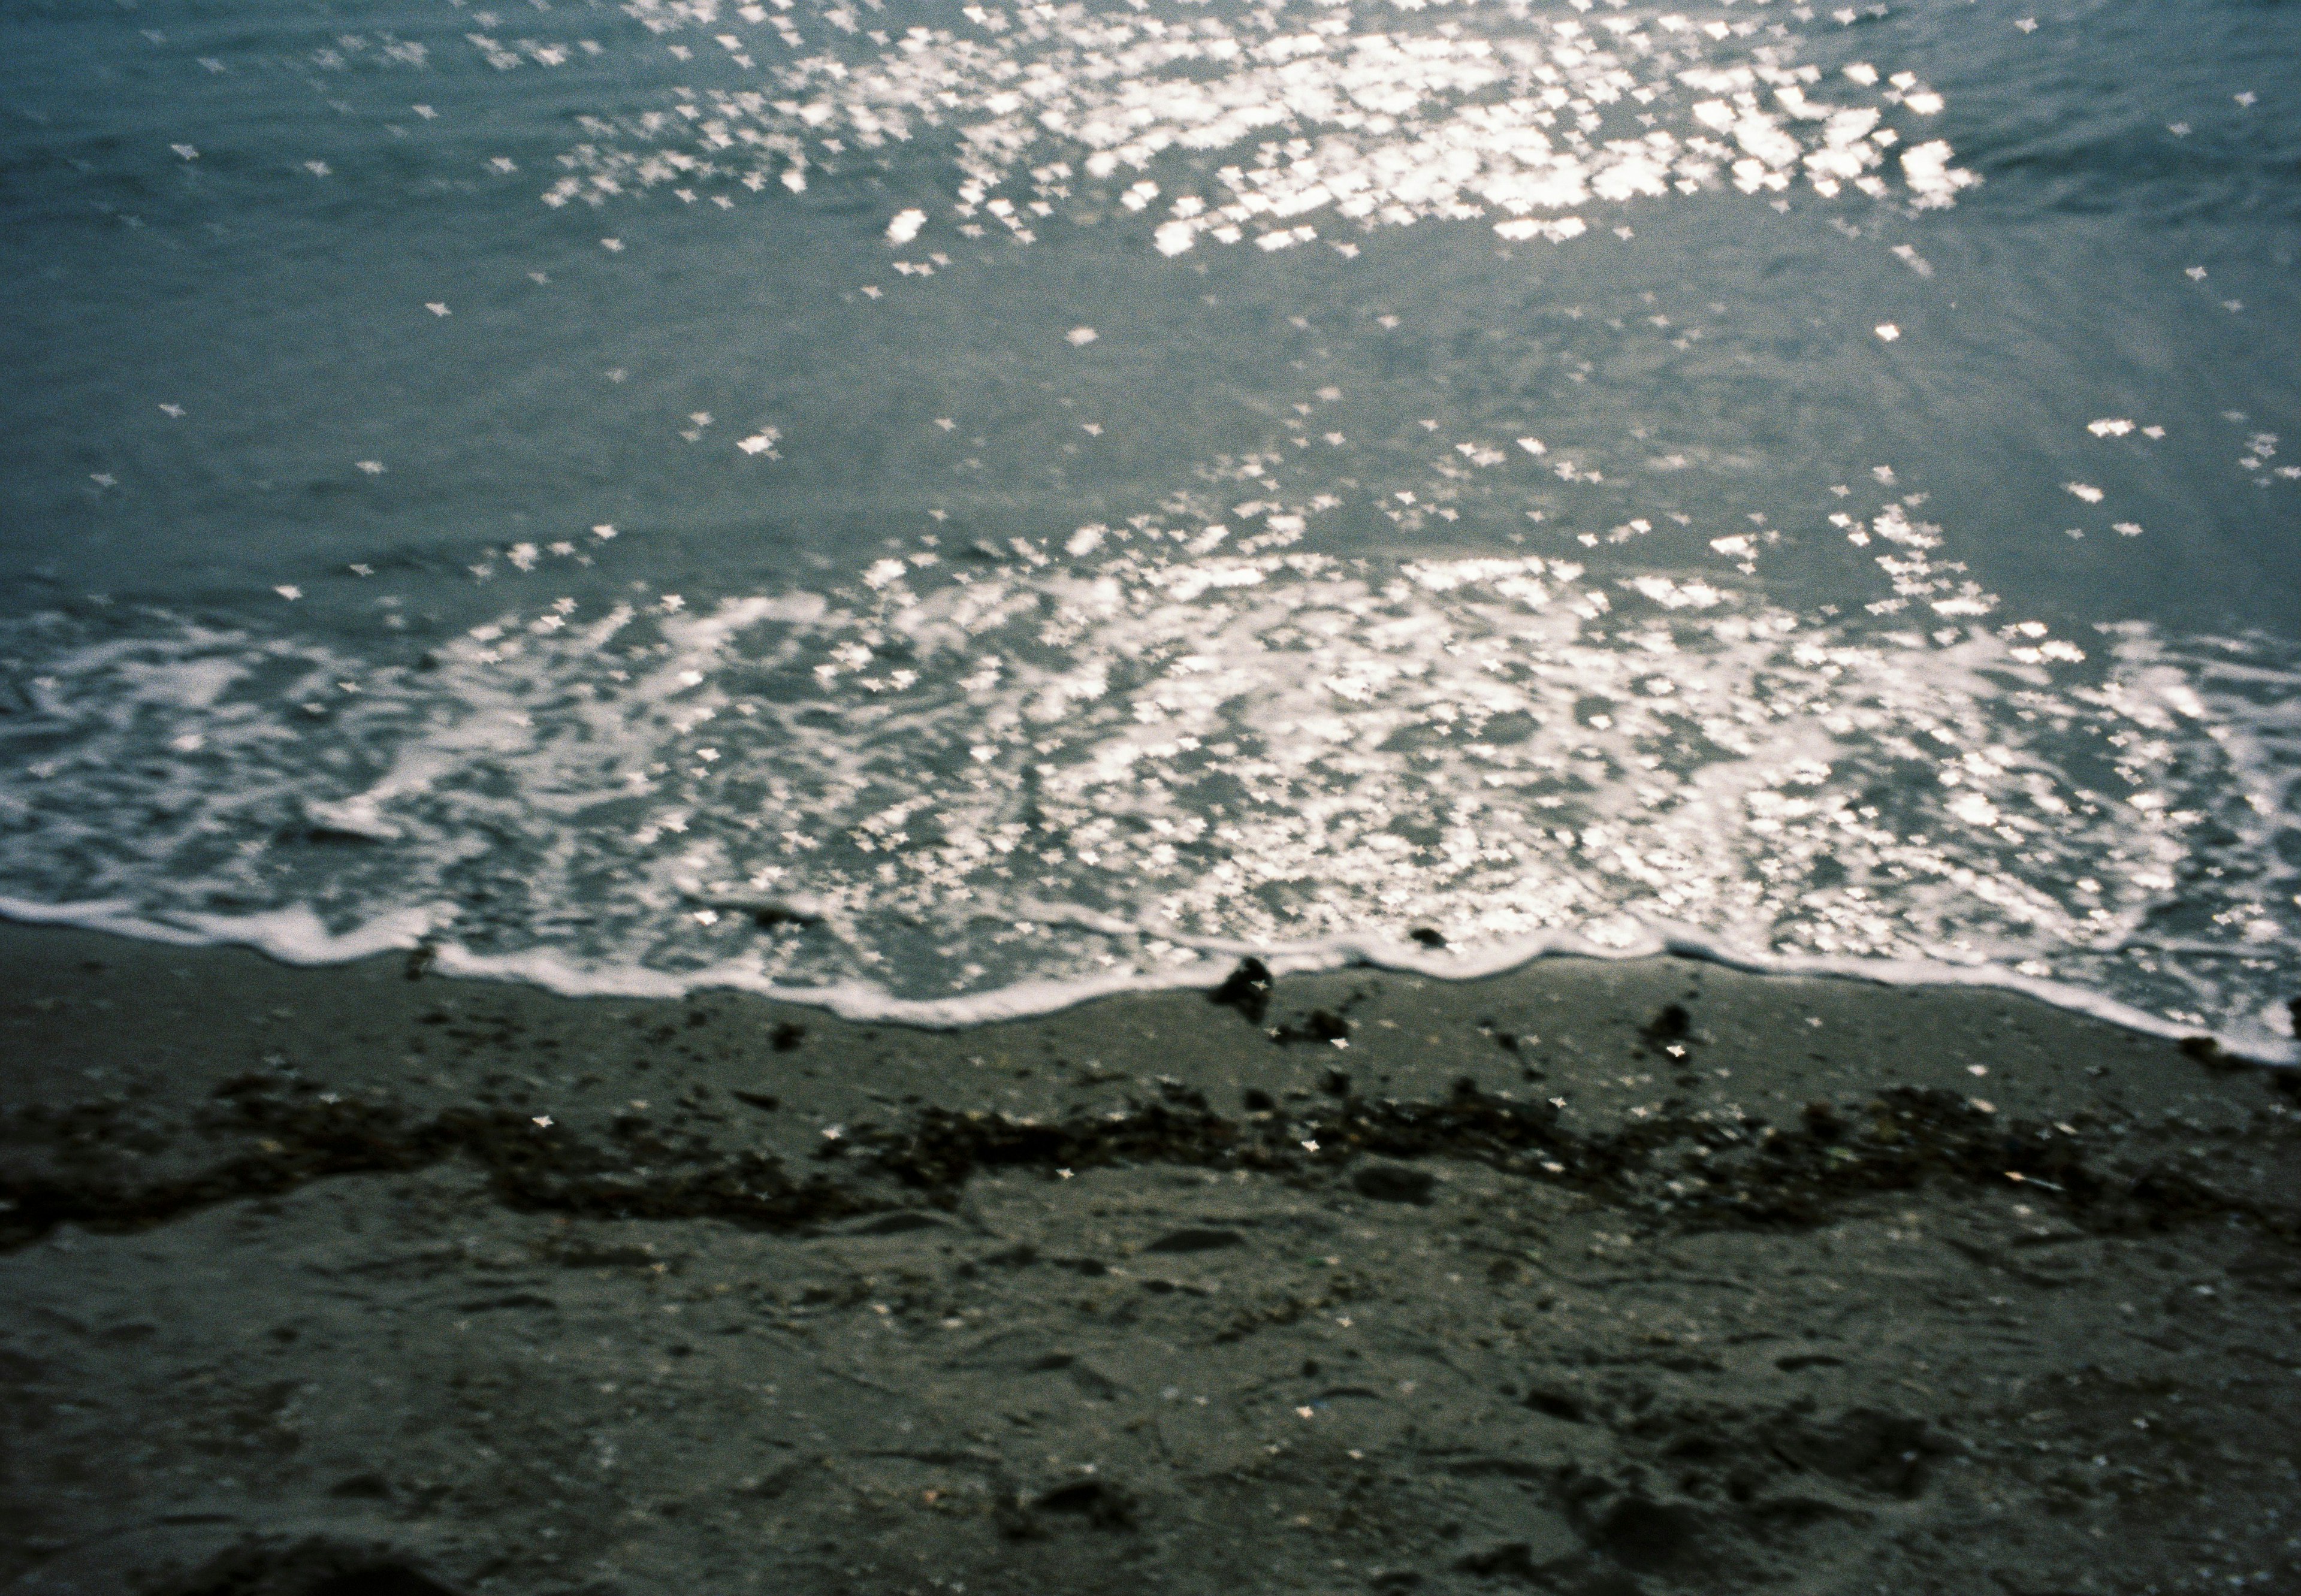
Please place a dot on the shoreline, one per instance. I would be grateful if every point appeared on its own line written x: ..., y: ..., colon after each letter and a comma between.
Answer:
x: 1598, y: 1276
x: 295, y: 939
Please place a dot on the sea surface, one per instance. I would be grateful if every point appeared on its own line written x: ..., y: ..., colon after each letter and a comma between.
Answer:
x: 946, y: 508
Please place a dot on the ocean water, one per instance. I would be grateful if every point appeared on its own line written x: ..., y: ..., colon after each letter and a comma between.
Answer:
x: 945, y: 508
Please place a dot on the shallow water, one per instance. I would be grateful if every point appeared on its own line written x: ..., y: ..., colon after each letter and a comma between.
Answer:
x: 947, y: 501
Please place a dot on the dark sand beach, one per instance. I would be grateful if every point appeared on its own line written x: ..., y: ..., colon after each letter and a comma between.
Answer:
x: 1594, y: 1278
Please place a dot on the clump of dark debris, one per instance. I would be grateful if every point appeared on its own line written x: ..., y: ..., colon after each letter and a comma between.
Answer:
x: 1695, y: 1169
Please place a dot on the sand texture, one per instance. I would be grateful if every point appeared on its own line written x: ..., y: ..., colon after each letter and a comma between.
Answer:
x: 1596, y: 1279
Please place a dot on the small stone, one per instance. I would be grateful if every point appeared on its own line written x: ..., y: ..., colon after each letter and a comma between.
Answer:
x: 1100, y: 1501
x: 1246, y: 989
x: 1670, y: 1024
x: 898, y: 1224
x: 1394, y: 1183
x: 1196, y: 1238
x: 2207, y: 1051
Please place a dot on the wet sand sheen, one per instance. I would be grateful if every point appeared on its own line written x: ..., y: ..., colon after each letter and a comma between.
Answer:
x: 1595, y: 1277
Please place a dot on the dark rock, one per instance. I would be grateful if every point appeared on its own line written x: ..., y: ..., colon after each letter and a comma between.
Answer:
x: 1807, y: 1360
x: 1556, y: 1405
x: 1320, y: 1025
x: 1196, y: 1238
x: 768, y: 916
x: 786, y: 1036
x: 1336, y: 1083
x: 900, y: 1222
x: 1428, y: 936
x: 1258, y: 1101
x: 1393, y: 1183
x: 1670, y: 1024
x: 2208, y: 1052
x: 1246, y: 989
x: 1100, y: 1501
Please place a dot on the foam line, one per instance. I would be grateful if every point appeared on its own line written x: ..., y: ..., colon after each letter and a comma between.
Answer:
x: 296, y: 936
x: 106, y: 915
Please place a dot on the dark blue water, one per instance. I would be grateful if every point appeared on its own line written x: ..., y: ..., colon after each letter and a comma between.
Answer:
x: 1050, y: 495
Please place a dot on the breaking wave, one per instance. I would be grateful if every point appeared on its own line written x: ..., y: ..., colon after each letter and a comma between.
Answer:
x: 979, y: 780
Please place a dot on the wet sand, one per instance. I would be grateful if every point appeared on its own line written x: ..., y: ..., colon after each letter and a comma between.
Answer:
x: 1594, y: 1278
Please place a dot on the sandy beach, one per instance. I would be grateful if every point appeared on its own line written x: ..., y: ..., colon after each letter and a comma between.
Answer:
x: 1594, y: 1278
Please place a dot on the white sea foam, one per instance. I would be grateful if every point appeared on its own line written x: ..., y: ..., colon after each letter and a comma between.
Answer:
x: 944, y: 793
